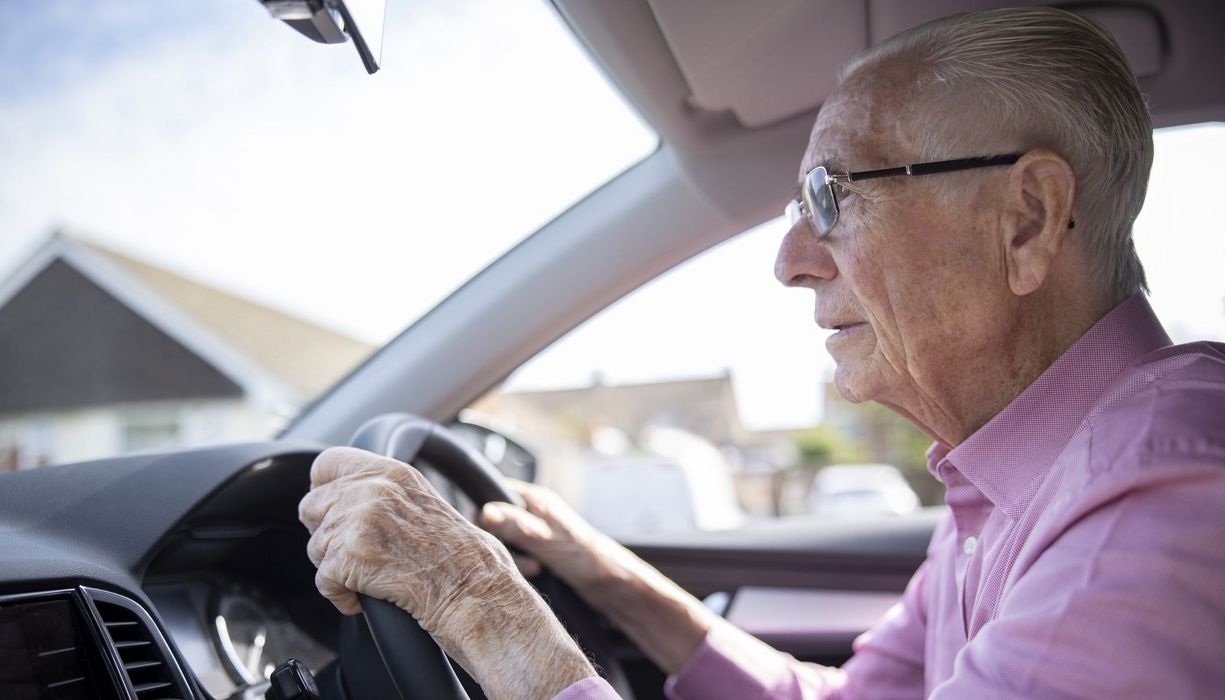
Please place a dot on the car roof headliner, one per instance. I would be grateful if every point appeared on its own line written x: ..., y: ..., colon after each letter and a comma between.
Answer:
x: 732, y: 87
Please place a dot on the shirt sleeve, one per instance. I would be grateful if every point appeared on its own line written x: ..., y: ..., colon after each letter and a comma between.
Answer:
x: 1126, y: 601
x: 592, y: 688
x: 734, y: 665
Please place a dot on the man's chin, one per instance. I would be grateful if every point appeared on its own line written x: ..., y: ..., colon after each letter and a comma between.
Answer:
x: 849, y: 381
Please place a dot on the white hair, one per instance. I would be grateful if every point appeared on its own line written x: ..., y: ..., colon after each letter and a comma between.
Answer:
x: 1038, y: 77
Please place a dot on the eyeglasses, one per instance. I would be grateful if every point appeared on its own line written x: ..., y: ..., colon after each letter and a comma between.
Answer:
x: 818, y: 200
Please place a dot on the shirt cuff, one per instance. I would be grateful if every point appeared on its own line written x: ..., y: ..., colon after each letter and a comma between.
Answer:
x: 590, y: 688
x: 729, y: 665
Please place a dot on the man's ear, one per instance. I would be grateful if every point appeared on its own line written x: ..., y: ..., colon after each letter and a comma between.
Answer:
x: 1036, y: 217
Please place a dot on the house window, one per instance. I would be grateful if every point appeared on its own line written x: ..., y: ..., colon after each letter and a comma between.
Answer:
x: 37, y: 445
x: 151, y: 431
x: 26, y: 443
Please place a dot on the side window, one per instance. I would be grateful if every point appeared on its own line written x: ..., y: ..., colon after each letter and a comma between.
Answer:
x: 702, y: 401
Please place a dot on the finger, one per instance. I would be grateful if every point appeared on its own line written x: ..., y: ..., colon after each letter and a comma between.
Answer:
x: 409, y: 478
x: 327, y: 580
x: 317, y: 505
x: 317, y: 547
x: 529, y: 567
x: 517, y: 485
x: 321, y: 541
x: 515, y: 525
x: 525, y: 487
x: 536, y: 499
x: 337, y: 462
x: 314, y: 506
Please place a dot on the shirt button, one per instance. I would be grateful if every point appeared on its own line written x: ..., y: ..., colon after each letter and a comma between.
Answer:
x: 969, y: 546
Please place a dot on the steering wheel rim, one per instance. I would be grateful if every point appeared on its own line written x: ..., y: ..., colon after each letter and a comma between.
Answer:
x: 396, y: 634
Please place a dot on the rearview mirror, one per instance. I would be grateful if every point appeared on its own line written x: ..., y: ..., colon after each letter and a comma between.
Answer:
x: 335, y: 21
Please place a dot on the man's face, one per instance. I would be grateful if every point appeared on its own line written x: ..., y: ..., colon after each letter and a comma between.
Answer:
x: 911, y: 279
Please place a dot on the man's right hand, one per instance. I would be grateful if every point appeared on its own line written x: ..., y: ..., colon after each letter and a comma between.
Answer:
x: 551, y: 534
x: 660, y: 617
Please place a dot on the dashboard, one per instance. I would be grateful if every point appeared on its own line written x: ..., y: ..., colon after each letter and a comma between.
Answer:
x: 233, y: 633
x: 173, y: 575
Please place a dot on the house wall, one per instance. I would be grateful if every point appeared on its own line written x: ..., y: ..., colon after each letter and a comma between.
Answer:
x: 73, y: 435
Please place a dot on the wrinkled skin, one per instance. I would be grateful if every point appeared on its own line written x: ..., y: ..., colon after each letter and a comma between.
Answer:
x: 378, y: 527
x: 391, y: 502
x: 947, y: 279
x: 661, y: 618
x: 556, y: 535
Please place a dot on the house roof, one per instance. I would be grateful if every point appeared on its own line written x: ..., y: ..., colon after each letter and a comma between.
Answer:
x: 67, y: 343
x: 305, y: 355
x: 266, y: 353
x: 704, y: 406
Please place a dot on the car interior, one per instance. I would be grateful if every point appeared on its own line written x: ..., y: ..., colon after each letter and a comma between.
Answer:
x: 159, y: 574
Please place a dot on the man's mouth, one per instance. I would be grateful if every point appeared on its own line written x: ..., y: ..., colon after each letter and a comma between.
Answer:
x: 840, y: 327
x: 845, y: 330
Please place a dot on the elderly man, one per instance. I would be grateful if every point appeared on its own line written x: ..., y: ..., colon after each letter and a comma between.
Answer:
x: 964, y: 218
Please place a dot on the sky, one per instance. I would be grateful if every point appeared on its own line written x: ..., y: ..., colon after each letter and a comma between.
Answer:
x: 227, y: 147
x: 212, y: 140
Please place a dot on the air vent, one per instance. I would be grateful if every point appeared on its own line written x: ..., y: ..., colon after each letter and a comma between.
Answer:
x: 47, y: 652
x: 139, y: 648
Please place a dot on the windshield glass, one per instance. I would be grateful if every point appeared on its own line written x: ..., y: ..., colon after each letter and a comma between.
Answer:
x: 209, y: 219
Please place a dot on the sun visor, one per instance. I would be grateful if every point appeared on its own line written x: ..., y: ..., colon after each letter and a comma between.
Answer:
x: 764, y: 60
x: 768, y: 60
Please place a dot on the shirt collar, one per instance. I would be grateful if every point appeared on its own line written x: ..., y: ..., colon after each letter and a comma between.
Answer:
x: 1007, y: 457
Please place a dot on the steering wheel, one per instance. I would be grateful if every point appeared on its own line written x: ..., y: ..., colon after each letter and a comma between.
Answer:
x: 417, y: 666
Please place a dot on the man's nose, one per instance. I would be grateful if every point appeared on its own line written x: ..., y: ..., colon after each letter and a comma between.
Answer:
x: 803, y: 259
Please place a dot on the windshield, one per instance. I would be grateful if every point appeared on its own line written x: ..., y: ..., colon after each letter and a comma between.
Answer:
x: 209, y: 219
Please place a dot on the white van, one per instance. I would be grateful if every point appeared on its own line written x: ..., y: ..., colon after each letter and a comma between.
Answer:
x: 679, y: 483
x: 852, y: 491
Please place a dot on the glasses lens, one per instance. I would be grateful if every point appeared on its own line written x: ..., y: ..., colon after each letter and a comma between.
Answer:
x: 820, y: 202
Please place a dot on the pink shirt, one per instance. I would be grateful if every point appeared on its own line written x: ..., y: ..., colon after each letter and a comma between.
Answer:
x: 1083, y: 555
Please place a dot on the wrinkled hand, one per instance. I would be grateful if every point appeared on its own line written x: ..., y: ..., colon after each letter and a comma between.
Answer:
x: 663, y: 620
x: 378, y: 527
x: 551, y: 533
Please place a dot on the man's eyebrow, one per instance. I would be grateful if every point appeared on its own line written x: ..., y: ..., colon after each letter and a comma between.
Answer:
x: 836, y: 165
x: 833, y: 164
